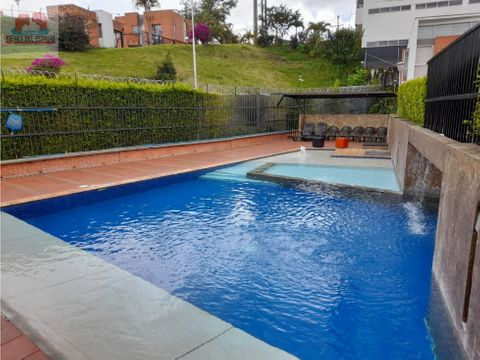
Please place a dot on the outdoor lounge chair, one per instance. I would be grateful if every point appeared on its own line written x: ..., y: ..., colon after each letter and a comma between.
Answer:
x: 381, y: 134
x: 345, y: 132
x: 369, y: 133
x: 332, y: 131
x: 307, y: 132
x: 356, y: 133
x: 320, y: 129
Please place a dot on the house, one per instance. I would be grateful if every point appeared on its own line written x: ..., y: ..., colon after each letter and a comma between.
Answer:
x: 153, y: 27
x: 131, y: 29
x: 90, y: 18
x: 403, y: 35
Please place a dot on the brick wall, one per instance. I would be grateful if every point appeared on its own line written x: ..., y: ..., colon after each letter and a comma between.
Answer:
x: 91, y: 23
x: 442, y: 42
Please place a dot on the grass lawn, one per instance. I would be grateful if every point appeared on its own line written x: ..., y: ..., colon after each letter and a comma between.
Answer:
x: 217, y: 64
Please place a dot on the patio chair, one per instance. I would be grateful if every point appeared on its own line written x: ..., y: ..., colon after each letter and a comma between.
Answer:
x: 332, y: 131
x: 381, y: 134
x: 356, y: 133
x: 319, y: 130
x: 307, y: 132
x: 369, y: 133
x: 345, y: 132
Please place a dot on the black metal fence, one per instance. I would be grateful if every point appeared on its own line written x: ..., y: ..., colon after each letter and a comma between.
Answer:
x: 73, y: 118
x: 96, y: 126
x: 453, y: 88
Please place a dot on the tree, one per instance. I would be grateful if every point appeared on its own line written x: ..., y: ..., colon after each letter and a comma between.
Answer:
x: 343, y: 46
x: 147, y: 6
x: 278, y: 21
x: 166, y: 70
x: 315, y: 34
x: 214, y: 13
x: 71, y: 33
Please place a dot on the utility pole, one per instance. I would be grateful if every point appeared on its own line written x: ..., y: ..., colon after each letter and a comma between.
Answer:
x: 193, y: 48
x: 255, y: 20
x: 338, y: 22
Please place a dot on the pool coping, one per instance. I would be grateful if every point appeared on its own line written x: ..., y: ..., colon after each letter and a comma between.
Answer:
x: 46, y: 300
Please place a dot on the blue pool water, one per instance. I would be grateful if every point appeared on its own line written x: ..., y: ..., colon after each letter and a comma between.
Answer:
x: 376, y: 178
x: 320, y: 275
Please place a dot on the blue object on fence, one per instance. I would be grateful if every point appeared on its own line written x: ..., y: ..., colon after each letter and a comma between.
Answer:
x: 14, y: 122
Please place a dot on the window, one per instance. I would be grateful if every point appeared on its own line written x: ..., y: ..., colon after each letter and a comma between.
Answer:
x: 442, y: 4
x: 420, y: 6
x: 425, y: 32
x: 390, y: 9
x: 431, y: 5
x: 454, y: 2
x: 135, y: 29
x: 100, y: 31
x: 157, y: 29
x: 474, y: 2
x: 359, y: 4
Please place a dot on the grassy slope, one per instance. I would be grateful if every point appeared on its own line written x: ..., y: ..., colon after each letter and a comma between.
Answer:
x: 217, y: 64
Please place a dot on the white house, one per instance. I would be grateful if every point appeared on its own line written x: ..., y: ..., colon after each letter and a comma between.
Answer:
x: 405, y: 34
x: 106, y: 35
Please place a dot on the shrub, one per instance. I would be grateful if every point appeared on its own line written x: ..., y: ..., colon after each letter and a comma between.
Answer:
x: 166, y: 70
x: 71, y: 34
x: 411, y: 100
x: 359, y: 77
x: 48, y: 64
x: 202, y: 33
x: 343, y: 46
x: 94, y: 115
x: 384, y: 106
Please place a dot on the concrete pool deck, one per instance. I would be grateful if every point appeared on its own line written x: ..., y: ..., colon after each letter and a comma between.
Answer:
x: 75, y: 305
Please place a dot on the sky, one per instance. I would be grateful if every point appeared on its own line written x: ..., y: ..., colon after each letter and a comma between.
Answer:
x: 241, y: 17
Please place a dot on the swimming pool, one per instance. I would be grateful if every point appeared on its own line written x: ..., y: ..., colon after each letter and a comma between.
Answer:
x: 315, y: 273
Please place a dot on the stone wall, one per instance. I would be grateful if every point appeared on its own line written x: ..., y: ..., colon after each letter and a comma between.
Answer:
x: 341, y: 120
x: 456, y: 260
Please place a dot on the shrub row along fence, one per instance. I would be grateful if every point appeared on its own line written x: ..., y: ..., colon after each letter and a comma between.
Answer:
x: 453, y: 90
x: 69, y: 115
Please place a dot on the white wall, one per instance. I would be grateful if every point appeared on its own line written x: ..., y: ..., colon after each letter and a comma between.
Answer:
x: 108, y: 37
x: 400, y: 25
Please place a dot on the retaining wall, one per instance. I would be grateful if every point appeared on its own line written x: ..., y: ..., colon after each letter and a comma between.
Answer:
x: 456, y: 262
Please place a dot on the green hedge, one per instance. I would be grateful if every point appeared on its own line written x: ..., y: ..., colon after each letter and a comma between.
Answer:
x: 95, y: 115
x: 411, y: 100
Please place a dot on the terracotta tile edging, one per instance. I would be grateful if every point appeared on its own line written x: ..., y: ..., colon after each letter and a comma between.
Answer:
x: 137, y: 179
x: 62, y: 162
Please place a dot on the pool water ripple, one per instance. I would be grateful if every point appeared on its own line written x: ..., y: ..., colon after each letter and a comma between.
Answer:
x: 319, y: 275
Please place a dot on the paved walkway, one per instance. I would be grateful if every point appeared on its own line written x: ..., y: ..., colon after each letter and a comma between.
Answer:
x: 36, y: 187
x: 16, y: 346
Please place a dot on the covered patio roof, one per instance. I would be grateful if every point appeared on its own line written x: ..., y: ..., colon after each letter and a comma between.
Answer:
x: 329, y: 95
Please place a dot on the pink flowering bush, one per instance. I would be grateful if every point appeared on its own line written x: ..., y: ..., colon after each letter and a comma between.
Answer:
x: 202, y: 33
x: 49, y: 64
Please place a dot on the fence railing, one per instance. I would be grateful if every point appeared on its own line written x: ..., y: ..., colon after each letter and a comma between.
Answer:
x: 453, y: 89
x: 82, y: 119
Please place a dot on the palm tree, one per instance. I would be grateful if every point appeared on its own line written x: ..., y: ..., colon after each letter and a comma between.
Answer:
x: 147, y: 6
x: 318, y: 28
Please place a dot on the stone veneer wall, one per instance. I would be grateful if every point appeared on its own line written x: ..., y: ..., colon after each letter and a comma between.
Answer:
x: 341, y: 120
x: 455, y: 245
